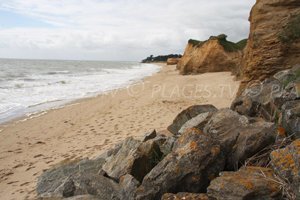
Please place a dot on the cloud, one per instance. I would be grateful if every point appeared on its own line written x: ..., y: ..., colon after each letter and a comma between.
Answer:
x: 118, y: 29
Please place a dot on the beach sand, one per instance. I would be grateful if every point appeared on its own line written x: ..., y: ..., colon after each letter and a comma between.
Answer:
x: 90, y: 126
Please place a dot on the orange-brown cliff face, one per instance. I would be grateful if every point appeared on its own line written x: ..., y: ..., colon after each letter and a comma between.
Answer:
x: 274, y: 40
x: 210, y: 56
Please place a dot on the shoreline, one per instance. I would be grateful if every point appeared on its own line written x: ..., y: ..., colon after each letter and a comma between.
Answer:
x: 93, y: 125
x: 63, y: 103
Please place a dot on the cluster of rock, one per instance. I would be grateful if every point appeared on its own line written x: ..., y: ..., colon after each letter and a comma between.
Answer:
x: 205, y: 154
x: 214, y: 55
x: 172, y: 59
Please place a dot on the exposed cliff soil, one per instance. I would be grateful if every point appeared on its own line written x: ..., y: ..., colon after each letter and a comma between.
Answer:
x: 214, y: 55
x: 274, y: 40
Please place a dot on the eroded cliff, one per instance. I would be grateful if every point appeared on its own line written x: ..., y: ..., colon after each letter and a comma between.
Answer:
x: 274, y: 40
x: 214, y: 55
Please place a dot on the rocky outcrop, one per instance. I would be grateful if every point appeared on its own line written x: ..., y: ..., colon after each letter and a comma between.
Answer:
x: 274, y: 40
x: 286, y: 163
x: 173, y: 61
x: 214, y: 55
x: 253, y: 183
x: 276, y: 99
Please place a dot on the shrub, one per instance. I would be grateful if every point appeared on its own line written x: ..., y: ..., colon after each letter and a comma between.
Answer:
x: 292, y: 30
x: 222, y: 38
x: 231, y: 46
x: 194, y: 42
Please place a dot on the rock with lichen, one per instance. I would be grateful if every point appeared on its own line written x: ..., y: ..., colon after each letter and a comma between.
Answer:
x: 286, y: 163
x: 253, y: 183
x: 239, y: 137
x: 196, y: 159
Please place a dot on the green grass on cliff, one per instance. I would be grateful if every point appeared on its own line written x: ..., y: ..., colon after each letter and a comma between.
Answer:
x: 227, y: 45
x: 194, y: 42
x: 242, y: 44
x: 292, y: 30
x: 231, y: 46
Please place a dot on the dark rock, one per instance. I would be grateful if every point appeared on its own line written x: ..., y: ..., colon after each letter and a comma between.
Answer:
x: 291, y: 117
x: 184, y: 196
x: 69, y: 188
x: 253, y: 183
x: 198, y: 122
x: 149, y: 136
x: 165, y: 143
x: 147, y: 155
x: 113, y: 151
x: 52, y: 179
x: 135, y: 158
x: 239, y: 138
x: 85, y: 184
x: 251, y: 140
x: 128, y: 186
x: 286, y: 163
x: 121, y: 163
x: 224, y: 126
x: 188, y: 114
x: 195, y: 160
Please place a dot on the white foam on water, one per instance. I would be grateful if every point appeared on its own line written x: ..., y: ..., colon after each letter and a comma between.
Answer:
x: 38, y: 89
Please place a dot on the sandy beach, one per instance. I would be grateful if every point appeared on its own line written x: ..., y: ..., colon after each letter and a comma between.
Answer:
x: 88, y: 127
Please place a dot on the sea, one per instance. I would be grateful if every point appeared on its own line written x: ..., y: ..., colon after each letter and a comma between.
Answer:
x: 28, y: 87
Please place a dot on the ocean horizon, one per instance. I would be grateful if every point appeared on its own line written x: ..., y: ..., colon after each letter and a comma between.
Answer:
x: 29, y: 86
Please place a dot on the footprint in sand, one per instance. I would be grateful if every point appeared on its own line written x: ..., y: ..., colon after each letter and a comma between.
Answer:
x: 26, y: 183
x: 12, y: 182
x: 29, y: 168
x: 18, y: 166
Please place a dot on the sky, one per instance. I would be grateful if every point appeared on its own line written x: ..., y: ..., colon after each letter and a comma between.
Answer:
x: 127, y: 30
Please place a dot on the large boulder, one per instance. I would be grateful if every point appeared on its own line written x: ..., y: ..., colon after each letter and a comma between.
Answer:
x: 286, y: 163
x: 253, y: 183
x: 121, y: 163
x: 239, y: 137
x: 184, y: 196
x: 188, y: 114
x: 195, y: 160
x: 135, y: 158
x: 77, y: 179
x: 265, y: 99
x: 198, y: 122
x: 172, y: 61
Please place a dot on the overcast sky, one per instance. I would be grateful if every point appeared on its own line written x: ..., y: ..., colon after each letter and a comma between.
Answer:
x: 114, y: 29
